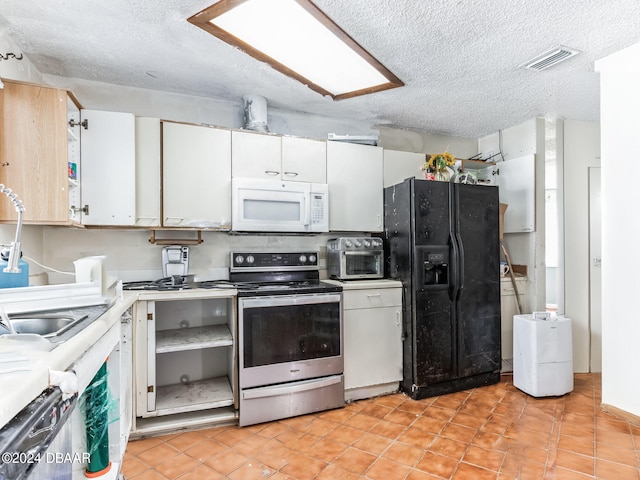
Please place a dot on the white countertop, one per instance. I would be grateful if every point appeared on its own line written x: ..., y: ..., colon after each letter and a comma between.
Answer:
x: 21, y: 387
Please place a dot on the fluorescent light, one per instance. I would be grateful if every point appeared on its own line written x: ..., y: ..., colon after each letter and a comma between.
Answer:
x: 299, y: 40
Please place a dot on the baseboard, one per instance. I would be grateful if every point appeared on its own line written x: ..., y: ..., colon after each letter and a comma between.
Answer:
x: 624, y: 415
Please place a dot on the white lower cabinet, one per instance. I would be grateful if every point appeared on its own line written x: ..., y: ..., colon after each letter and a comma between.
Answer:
x: 186, y: 372
x: 509, y: 308
x: 372, y: 338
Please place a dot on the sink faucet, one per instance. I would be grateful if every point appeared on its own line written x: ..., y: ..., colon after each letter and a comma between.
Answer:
x: 14, y: 252
x: 5, y: 319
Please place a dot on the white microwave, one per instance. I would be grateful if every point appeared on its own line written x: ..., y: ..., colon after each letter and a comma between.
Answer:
x: 259, y: 205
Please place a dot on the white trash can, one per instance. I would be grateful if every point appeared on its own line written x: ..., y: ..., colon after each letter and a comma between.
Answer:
x: 542, y: 354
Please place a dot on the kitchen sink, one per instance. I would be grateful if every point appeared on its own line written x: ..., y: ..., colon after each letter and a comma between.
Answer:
x: 56, y: 326
x: 46, y: 325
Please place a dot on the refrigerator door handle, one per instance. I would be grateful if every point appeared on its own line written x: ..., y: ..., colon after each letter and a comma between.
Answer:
x: 459, y: 265
x: 453, y: 268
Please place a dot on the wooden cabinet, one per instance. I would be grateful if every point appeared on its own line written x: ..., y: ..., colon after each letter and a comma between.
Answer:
x: 372, y: 338
x: 399, y: 166
x: 354, y: 175
x: 196, y: 176
x: 185, y: 352
x: 256, y: 155
x: 34, y: 151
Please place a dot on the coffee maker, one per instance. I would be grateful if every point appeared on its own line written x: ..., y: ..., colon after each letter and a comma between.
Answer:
x: 175, y: 260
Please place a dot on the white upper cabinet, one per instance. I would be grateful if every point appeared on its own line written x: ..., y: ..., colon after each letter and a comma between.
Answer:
x: 304, y: 160
x: 399, y: 166
x: 354, y: 175
x: 256, y: 155
x: 196, y: 176
x: 108, y: 173
x: 148, y: 172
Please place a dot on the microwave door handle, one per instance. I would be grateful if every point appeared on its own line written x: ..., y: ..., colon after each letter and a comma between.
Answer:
x: 307, y: 210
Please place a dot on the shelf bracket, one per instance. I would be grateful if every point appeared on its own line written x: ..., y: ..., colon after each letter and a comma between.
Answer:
x: 175, y: 241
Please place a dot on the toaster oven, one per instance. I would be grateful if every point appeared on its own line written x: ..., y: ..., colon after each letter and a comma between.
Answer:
x: 354, y: 258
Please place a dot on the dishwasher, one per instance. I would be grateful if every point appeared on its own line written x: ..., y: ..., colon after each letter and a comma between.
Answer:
x: 36, y: 443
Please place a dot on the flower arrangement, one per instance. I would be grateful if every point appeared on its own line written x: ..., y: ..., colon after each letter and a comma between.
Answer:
x: 437, y: 167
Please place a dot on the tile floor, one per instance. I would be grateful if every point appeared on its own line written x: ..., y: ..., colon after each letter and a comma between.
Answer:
x: 494, y: 432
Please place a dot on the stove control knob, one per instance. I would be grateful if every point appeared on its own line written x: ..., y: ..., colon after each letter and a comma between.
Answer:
x: 367, y: 244
x: 250, y: 259
x: 303, y: 258
x: 348, y: 243
x: 312, y: 259
x: 239, y: 259
x: 358, y: 243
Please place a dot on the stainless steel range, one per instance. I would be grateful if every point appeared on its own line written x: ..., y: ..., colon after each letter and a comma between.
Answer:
x: 290, y: 336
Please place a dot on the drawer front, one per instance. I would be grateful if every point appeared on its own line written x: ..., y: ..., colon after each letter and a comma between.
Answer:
x: 506, y: 288
x: 372, y: 298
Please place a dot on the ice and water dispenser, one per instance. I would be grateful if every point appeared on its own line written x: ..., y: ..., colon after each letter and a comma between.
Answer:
x: 435, y: 266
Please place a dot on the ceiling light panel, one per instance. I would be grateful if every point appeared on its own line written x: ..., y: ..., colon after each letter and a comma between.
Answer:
x: 299, y: 40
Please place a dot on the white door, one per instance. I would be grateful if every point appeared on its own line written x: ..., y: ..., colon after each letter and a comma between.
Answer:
x: 304, y: 160
x: 354, y: 175
x: 108, y: 173
x: 595, y: 272
x: 196, y: 176
x: 256, y: 155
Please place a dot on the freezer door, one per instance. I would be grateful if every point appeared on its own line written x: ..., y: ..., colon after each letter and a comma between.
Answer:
x: 477, y: 305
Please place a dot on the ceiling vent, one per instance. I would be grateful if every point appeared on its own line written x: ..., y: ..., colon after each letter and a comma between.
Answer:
x: 551, y: 58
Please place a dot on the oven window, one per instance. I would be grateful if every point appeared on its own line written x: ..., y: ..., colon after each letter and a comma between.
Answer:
x: 363, y: 264
x: 274, y: 210
x: 290, y: 333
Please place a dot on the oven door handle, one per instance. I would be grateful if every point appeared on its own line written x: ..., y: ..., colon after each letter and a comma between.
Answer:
x: 286, y: 389
x: 289, y: 300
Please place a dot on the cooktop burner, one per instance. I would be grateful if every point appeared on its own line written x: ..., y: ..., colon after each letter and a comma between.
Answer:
x: 255, y: 274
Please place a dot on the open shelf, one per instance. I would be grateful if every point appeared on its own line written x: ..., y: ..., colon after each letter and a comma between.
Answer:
x: 193, y: 338
x: 193, y: 396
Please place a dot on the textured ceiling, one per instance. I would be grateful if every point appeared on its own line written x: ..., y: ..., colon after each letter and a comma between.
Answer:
x: 459, y: 59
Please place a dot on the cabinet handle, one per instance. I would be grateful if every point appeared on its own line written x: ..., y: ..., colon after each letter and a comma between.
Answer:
x: 398, y: 318
x: 291, y: 174
x: 173, y: 220
x: 271, y: 172
x: 370, y: 295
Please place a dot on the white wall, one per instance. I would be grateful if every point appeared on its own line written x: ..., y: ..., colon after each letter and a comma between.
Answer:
x: 581, y: 151
x: 620, y: 137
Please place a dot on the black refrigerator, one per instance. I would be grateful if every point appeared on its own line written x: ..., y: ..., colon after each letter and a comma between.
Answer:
x: 442, y: 240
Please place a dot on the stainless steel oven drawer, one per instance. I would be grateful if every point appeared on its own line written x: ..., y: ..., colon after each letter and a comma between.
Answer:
x: 263, y: 404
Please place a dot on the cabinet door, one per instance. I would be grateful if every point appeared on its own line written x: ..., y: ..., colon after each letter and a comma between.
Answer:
x: 304, y: 160
x: 516, y: 180
x: 373, y: 346
x: 256, y: 155
x: 33, y: 152
x: 354, y: 175
x: 148, y: 172
x: 196, y: 176
x: 401, y: 165
x: 108, y: 168
x: 508, y: 309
